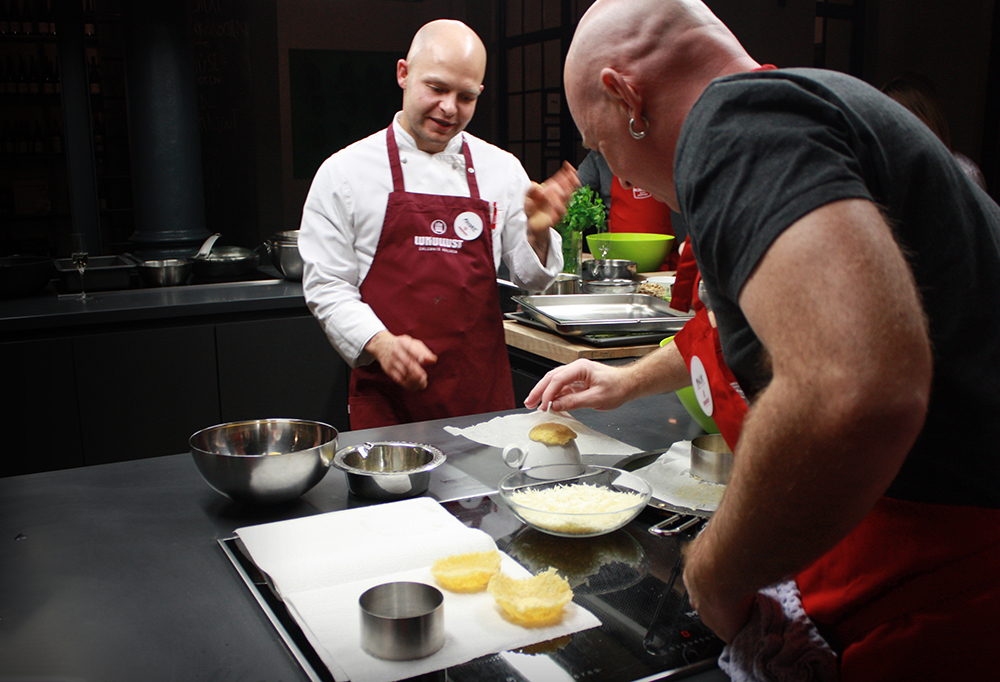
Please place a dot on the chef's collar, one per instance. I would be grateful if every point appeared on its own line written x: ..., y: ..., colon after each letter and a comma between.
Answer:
x: 405, y: 141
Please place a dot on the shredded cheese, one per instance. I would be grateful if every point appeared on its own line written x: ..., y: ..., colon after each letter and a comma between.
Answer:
x: 576, y: 509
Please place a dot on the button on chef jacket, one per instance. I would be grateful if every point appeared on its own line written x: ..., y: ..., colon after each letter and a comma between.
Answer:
x: 344, y: 210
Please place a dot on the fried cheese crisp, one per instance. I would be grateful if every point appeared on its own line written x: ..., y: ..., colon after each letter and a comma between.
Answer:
x: 469, y: 572
x: 551, y: 433
x: 532, y: 602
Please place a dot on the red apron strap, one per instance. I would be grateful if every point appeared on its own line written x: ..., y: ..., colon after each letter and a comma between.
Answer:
x: 397, y: 168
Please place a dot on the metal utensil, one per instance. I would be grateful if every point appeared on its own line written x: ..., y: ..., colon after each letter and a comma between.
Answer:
x: 390, y: 470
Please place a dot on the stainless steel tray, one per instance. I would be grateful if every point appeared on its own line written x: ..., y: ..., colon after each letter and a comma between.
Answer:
x: 576, y: 314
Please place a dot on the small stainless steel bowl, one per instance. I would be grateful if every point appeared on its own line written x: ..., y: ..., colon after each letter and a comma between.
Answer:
x: 265, y: 461
x: 402, y: 621
x: 711, y: 458
x: 165, y: 273
x: 389, y: 470
x: 610, y: 286
x: 609, y: 268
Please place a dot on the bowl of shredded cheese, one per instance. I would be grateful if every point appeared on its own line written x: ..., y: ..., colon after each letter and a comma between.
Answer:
x: 575, y: 500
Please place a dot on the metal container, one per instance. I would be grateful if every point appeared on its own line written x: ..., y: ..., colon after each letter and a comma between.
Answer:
x: 711, y: 458
x: 165, y: 273
x: 610, y: 286
x: 609, y: 268
x: 401, y: 621
x: 602, y: 314
x: 265, y: 461
x: 564, y: 283
x: 284, y: 253
x: 103, y: 273
x: 388, y: 470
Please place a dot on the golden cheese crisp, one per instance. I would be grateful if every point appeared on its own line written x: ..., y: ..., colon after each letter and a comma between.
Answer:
x: 532, y: 602
x: 466, y: 572
x: 551, y: 433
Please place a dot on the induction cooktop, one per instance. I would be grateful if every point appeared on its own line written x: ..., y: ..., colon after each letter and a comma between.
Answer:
x: 630, y: 579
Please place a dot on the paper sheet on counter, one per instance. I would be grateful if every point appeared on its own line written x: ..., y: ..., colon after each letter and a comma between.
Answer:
x: 513, y: 429
x: 669, y: 475
x: 320, y: 565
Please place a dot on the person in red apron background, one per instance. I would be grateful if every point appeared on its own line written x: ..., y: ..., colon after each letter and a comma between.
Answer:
x: 402, y: 234
x: 629, y: 209
x: 808, y: 194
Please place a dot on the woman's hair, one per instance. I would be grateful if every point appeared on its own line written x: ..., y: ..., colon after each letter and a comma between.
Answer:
x: 916, y: 93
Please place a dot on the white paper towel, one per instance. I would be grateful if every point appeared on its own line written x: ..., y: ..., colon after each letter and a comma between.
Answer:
x: 513, y: 429
x: 669, y: 475
x: 322, y: 564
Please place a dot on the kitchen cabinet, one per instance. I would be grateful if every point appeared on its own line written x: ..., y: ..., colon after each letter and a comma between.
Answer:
x: 128, y: 391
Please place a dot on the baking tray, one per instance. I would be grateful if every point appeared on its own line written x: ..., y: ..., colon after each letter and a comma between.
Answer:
x: 103, y: 273
x: 577, y: 314
x: 609, y: 339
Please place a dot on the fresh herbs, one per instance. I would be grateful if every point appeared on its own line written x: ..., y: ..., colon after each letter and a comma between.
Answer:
x: 584, y: 211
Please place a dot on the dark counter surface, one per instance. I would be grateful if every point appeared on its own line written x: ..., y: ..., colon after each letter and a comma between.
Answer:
x: 114, y: 572
x: 49, y: 310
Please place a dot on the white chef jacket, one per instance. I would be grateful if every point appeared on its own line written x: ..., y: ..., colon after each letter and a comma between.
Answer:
x: 345, y: 209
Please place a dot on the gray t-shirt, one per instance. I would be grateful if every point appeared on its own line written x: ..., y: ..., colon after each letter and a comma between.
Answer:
x: 761, y: 150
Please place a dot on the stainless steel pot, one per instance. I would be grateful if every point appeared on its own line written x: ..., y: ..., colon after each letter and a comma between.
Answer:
x: 165, y: 273
x: 283, y: 248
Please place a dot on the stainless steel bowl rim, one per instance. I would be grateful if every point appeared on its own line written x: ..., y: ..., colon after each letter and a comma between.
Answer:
x: 275, y: 420
x: 437, y: 459
x: 169, y: 262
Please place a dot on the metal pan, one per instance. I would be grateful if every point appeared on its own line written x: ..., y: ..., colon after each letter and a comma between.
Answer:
x: 602, y: 313
x: 679, y: 519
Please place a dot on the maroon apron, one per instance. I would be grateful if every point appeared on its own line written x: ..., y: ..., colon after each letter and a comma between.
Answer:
x: 433, y: 278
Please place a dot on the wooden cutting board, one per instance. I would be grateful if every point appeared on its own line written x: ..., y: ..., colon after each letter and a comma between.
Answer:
x: 560, y: 349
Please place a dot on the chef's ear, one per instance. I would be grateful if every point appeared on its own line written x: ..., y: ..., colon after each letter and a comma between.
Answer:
x: 621, y: 93
x: 402, y: 71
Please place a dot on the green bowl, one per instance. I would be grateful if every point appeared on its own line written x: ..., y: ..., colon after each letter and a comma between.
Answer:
x: 690, y: 402
x: 647, y: 250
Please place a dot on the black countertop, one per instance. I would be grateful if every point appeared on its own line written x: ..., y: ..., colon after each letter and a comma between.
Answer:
x: 50, y: 311
x: 114, y: 572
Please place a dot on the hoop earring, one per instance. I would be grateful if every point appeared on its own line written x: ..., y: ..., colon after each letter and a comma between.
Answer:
x: 631, y: 130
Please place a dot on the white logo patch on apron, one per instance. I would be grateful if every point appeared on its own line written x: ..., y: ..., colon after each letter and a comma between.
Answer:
x: 468, y: 225
x: 699, y: 382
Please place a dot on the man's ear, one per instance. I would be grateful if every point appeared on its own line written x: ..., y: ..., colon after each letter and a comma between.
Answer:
x: 402, y: 71
x: 621, y: 93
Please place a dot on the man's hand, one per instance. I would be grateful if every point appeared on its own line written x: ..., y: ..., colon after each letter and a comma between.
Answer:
x: 545, y: 204
x: 582, y: 383
x: 402, y: 358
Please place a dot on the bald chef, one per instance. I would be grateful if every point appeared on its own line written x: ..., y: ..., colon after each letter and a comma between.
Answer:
x: 402, y: 235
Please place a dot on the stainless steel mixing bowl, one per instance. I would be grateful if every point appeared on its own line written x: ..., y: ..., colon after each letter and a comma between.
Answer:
x: 284, y: 252
x: 608, y: 268
x: 265, y: 461
x: 388, y: 470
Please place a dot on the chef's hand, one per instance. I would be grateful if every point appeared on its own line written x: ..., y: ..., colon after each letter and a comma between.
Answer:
x: 402, y: 358
x: 545, y: 204
x: 723, y: 608
x: 582, y: 383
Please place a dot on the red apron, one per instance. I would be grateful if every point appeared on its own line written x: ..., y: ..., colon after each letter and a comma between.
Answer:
x: 912, y: 593
x: 635, y: 210
x: 433, y: 277
x: 714, y: 385
x: 682, y: 294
